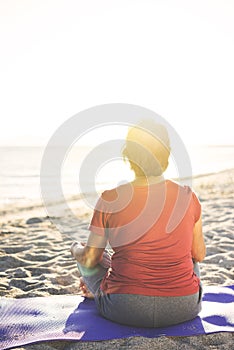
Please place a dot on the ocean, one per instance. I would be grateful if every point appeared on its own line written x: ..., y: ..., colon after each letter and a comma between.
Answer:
x: 20, y: 170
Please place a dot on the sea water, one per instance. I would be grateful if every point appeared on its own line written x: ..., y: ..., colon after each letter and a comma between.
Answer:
x: 20, y: 170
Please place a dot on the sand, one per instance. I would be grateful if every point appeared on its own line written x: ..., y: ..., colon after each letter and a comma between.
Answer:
x: 35, y: 260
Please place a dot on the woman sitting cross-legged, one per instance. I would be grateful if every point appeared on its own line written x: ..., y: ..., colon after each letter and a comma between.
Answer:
x: 154, y: 228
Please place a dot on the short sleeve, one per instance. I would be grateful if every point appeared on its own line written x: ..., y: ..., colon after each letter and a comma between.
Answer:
x: 98, y: 222
x: 197, y: 207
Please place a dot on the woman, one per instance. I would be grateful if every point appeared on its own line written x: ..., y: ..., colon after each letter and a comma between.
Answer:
x: 154, y: 227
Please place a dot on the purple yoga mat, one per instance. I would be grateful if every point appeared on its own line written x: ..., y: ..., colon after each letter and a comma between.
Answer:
x: 24, y: 321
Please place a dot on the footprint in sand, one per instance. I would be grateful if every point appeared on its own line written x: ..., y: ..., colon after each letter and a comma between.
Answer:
x: 25, y: 284
x: 17, y: 249
x: 11, y: 262
x: 34, y: 221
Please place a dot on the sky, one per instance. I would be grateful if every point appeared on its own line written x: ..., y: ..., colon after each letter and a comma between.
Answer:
x: 59, y: 57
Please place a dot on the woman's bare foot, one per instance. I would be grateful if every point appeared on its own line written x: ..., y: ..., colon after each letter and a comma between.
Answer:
x: 84, y: 289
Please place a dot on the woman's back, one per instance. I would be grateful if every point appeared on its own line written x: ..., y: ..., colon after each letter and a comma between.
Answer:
x: 148, y: 259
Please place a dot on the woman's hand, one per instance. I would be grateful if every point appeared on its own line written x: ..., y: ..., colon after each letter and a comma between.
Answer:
x: 77, y: 249
x: 90, y: 256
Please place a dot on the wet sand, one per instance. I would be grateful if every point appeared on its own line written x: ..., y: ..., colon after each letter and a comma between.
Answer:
x: 35, y: 260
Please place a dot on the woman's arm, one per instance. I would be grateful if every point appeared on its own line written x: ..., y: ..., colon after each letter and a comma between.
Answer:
x: 198, y: 245
x: 91, y: 254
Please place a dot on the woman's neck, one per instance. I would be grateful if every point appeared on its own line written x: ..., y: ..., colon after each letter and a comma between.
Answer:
x: 147, y: 180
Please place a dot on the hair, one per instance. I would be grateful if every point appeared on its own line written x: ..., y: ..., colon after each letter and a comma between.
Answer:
x: 147, y: 148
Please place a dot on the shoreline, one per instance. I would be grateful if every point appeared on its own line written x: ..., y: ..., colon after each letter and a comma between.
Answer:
x: 16, y: 209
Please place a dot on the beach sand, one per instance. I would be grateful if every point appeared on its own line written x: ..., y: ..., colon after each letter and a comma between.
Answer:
x: 35, y: 260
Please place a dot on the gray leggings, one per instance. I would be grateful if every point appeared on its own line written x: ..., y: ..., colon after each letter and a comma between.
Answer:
x: 140, y: 310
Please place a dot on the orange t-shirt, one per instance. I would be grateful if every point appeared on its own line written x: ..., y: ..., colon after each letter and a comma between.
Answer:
x: 150, y: 229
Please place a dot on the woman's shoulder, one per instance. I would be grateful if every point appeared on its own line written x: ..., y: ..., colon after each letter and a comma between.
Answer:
x: 174, y: 185
x: 114, y: 193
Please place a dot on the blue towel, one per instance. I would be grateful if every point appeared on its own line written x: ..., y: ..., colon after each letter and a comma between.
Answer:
x: 29, y: 320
